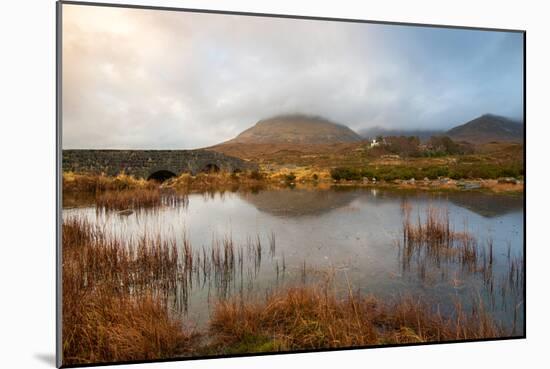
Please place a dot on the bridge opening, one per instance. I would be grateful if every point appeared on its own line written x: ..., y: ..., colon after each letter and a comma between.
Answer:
x: 161, y: 175
x: 210, y: 168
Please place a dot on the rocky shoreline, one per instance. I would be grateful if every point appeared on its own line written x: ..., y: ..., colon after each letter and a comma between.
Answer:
x: 506, y: 184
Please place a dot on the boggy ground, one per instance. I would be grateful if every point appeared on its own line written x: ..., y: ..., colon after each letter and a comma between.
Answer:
x: 117, y: 304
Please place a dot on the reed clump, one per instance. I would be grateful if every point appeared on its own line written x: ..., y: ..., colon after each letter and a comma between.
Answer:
x: 312, y: 317
x: 115, y: 298
x: 101, y: 326
x: 130, y: 199
x: 433, y: 237
x: 94, y: 183
x: 215, y: 181
x: 141, y: 198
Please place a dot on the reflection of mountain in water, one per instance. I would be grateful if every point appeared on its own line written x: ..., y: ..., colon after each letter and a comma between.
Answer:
x: 484, y: 204
x: 298, y: 202
x: 301, y: 202
x: 487, y: 205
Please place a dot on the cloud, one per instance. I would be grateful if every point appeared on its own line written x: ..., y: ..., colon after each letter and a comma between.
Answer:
x: 154, y: 79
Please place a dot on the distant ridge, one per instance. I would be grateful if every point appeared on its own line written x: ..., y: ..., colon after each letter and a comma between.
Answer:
x: 296, y: 129
x: 488, y: 128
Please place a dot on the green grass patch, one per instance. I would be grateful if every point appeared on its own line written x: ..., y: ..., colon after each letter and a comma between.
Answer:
x: 454, y: 171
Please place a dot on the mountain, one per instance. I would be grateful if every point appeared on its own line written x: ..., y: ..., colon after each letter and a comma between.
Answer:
x: 488, y: 128
x: 296, y: 129
x: 379, y: 131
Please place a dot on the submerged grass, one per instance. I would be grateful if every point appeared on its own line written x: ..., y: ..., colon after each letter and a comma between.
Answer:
x: 436, y: 249
x: 432, y: 236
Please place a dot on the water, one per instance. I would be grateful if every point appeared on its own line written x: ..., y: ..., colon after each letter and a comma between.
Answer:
x: 352, y: 234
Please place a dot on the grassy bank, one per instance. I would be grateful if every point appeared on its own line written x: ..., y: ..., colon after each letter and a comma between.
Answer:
x: 96, y: 183
x: 87, y: 183
x: 455, y: 171
x: 125, y: 192
x: 219, y: 181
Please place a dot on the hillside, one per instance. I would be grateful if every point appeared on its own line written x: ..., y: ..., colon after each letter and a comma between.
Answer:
x: 488, y: 128
x: 301, y: 141
x: 296, y: 129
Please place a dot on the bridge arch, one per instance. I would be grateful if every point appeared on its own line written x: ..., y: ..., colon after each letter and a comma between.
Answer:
x: 161, y: 175
x: 210, y: 168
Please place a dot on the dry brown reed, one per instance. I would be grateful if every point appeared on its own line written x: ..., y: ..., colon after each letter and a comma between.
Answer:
x: 117, y: 295
x: 100, y: 326
x: 94, y: 183
x: 139, y: 199
x: 312, y: 317
x: 432, y: 243
x: 131, y: 199
x: 216, y: 182
x: 115, y: 298
x: 433, y: 237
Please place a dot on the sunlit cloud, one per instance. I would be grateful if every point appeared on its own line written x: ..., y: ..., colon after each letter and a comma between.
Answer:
x: 156, y: 79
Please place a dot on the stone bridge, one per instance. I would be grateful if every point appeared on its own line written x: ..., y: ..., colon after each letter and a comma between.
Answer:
x: 151, y: 164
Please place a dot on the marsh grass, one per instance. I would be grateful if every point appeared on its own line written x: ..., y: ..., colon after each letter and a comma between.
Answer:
x: 433, y: 237
x: 311, y: 317
x: 118, y: 295
x: 432, y: 244
x: 137, y: 199
x: 123, y: 299
x: 130, y: 199
x: 115, y: 304
x: 100, y: 326
x: 164, y: 265
x: 216, y: 182
x: 94, y: 183
x: 122, y: 192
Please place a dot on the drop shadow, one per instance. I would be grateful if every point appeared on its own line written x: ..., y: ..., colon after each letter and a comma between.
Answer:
x: 46, y: 358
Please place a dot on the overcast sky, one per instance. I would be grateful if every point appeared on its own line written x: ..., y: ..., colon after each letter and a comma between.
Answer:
x: 149, y: 79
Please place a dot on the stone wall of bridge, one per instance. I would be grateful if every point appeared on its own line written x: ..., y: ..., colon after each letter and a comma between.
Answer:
x: 145, y: 163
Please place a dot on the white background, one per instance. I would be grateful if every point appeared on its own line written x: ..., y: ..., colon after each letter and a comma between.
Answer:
x: 27, y: 167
